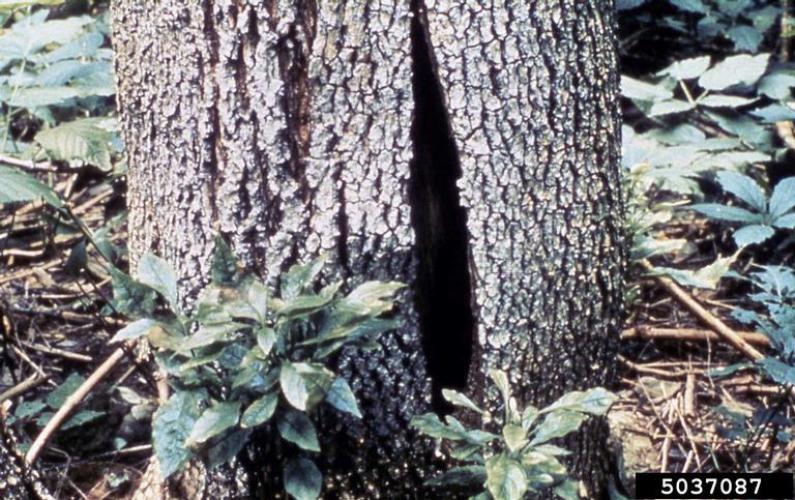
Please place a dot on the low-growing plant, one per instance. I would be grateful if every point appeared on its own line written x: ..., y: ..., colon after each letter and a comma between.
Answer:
x: 245, y: 357
x: 766, y: 215
x: 512, y: 455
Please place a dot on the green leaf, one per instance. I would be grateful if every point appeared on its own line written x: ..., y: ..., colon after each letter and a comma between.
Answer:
x: 707, y: 277
x: 696, y: 6
x: 506, y: 479
x: 227, y: 447
x: 82, y: 141
x: 135, y: 330
x: 774, y: 113
x: 266, y: 339
x: 785, y: 222
x: 745, y: 38
x: 688, y: 68
x: 303, y: 384
x: 131, y: 297
x: 372, y: 298
x: 82, y: 418
x: 781, y: 373
x: 741, y: 69
x: 724, y: 101
x: 753, y: 234
x: 783, y: 198
x: 725, y: 212
x: 223, y: 267
x: 567, y: 490
x: 458, y: 399
x: 557, y: 424
x: 744, y: 188
x: 215, y: 420
x: 341, y: 397
x: 171, y: 426
x: 501, y: 381
x: 515, y: 436
x: 16, y: 4
x: 295, y: 426
x: 469, y: 476
x: 642, y: 91
x: 777, y: 85
x: 302, y: 479
x: 58, y: 396
x: 156, y: 273
x: 594, y: 401
x: 299, y: 277
x: 529, y: 416
x: 211, y: 334
x: 304, y: 305
x: 670, y: 106
x: 260, y: 411
x: 16, y: 185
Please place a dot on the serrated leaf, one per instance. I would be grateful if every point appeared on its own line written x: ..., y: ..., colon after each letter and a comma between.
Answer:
x: 16, y: 185
x: 783, y: 198
x: 302, y: 479
x: 744, y: 188
x: 458, y: 399
x: 171, y: 426
x: 557, y: 424
x: 595, y: 401
x: 80, y: 140
x: 688, y: 68
x: 295, y: 426
x: 471, y: 476
x: 735, y: 70
x: 506, y: 479
x: 135, y: 330
x: 753, y: 234
x: 260, y: 411
x: 725, y: 212
x: 341, y: 397
x: 158, y: 274
x: 215, y: 420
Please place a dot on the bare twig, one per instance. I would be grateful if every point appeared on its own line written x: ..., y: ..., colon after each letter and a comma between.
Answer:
x: 705, y: 316
x: 23, y: 387
x: 694, y: 334
x: 71, y: 403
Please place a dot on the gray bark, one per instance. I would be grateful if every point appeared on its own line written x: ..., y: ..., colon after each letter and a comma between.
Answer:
x: 283, y: 124
x: 531, y: 92
x: 287, y: 126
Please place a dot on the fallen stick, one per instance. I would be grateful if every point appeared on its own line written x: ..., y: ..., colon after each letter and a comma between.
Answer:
x: 651, y: 333
x: 71, y: 403
x: 705, y: 316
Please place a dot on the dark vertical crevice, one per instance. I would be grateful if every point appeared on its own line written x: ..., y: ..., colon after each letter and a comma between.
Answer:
x: 444, y: 292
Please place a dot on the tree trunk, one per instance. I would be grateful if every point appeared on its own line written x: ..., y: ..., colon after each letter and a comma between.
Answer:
x: 285, y: 126
x: 469, y: 150
x: 532, y: 97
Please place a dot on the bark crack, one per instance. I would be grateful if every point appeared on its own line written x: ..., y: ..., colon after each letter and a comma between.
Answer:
x: 444, y: 287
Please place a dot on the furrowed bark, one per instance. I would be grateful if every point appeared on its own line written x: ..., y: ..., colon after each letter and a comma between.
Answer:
x: 283, y: 124
x: 531, y: 92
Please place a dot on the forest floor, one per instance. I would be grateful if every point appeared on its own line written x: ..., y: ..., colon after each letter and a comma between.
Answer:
x: 677, y: 412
